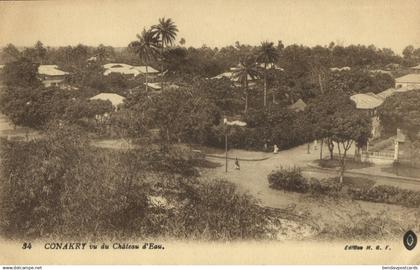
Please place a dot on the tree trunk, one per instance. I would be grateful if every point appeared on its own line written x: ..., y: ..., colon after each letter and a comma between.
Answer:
x: 330, y: 145
x: 274, y: 97
x: 342, y: 157
x: 357, y: 155
x: 320, y: 150
x: 320, y: 83
x: 341, y: 161
x: 265, y: 84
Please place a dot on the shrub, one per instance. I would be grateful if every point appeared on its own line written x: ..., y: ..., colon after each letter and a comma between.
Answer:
x: 330, y: 186
x: 290, y: 179
x: 386, y: 194
x: 216, y: 210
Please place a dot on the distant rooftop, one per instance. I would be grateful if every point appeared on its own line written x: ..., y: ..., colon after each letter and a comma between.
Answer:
x: 339, y: 69
x: 271, y: 66
x: 127, y: 69
x: 51, y: 70
x: 229, y: 75
x: 298, y: 106
x: 367, y: 101
x: 115, y: 99
x: 142, y: 69
x: 391, y: 91
x: 155, y: 86
x: 380, y: 71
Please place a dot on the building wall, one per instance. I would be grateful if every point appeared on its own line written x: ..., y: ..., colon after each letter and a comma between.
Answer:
x: 52, y: 82
x: 376, y: 127
x: 402, y: 84
x: 49, y: 81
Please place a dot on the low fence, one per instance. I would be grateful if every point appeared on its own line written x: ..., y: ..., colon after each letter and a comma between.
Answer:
x: 381, y: 157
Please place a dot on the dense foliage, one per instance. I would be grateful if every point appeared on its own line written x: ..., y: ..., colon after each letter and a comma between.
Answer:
x: 59, y: 186
x: 401, y: 111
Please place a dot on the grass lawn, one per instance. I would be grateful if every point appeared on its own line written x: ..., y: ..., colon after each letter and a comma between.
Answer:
x: 350, y: 164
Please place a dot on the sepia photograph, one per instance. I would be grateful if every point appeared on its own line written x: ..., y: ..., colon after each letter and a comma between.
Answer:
x: 210, y: 132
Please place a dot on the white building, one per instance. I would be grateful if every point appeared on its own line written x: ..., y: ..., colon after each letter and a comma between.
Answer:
x: 409, y: 80
x: 369, y: 103
x: 50, y: 75
x: 115, y: 99
x: 416, y: 69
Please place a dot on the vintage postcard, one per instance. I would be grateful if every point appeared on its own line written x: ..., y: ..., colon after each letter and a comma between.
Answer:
x: 210, y: 132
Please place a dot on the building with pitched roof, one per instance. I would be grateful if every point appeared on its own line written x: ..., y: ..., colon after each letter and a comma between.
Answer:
x: 415, y: 69
x: 126, y: 69
x: 115, y: 99
x: 369, y: 102
x: 412, y: 80
x: 50, y: 75
x: 298, y: 106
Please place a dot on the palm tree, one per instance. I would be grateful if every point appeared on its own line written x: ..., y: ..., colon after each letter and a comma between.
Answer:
x: 146, y: 47
x: 165, y: 31
x: 267, y: 54
x: 246, y: 70
x: 101, y: 53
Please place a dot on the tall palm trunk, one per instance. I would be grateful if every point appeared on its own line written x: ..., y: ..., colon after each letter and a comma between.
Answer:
x: 147, y: 86
x: 246, y: 94
x: 265, y: 84
x: 161, y: 67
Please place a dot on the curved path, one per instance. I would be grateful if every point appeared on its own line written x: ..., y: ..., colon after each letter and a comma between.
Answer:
x: 325, y: 211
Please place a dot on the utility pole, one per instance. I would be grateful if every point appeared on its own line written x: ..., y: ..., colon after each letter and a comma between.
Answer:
x: 226, y: 148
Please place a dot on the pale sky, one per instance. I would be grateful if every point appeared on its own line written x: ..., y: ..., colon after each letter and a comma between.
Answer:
x: 384, y: 23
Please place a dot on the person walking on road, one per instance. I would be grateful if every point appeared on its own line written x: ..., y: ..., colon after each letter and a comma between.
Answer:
x: 237, y: 167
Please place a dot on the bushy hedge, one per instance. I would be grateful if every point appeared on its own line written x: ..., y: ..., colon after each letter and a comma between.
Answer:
x: 387, y: 194
x: 60, y: 187
x: 291, y: 179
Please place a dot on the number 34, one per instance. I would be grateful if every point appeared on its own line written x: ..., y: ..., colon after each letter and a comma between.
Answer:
x: 26, y: 246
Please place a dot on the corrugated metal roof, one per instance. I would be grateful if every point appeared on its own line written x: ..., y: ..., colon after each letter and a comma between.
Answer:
x: 298, y: 106
x: 409, y: 78
x: 339, y: 69
x: 155, y: 86
x: 142, y: 69
x: 230, y: 76
x: 115, y: 99
x: 386, y: 93
x: 127, y: 69
x: 51, y: 70
x: 367, y: 101
x: 390, y: 91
